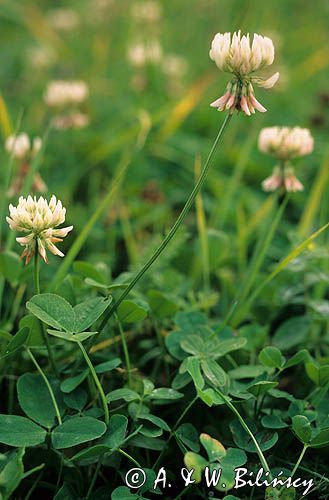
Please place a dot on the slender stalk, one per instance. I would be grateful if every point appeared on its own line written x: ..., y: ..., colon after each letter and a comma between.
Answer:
x: 246, y: 428
x: 202, y: 228
x: 301, y: 456
x: 36, y: 273
x: 125, y: 350
x: 93, y: 481
x: 51, y: 392
x: 172, y: 231
x: 189, y: 406
x: 37, y: 291
x: 97, y: 382
x: 125, y: 454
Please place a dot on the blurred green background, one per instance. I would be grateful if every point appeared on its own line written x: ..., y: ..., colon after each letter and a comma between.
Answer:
x: 163, y: 107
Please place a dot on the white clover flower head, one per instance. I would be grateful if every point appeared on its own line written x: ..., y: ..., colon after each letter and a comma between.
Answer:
x: 19, y: 146
x: 239, y: 56
x: 38, y: 219
x: 284, y: 143
x: 61, y: 93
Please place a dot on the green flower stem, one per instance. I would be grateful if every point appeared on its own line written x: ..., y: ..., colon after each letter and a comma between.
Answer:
x: 301, y: 456
x: 172, y: 231
x: 97, y: 382
x: 37, y: 291
x: 172, y: 432
x: 246, y: 428
x: 36, y: 270
x: 125, y: 454
x: 125, y: 349
x: 51, y: 392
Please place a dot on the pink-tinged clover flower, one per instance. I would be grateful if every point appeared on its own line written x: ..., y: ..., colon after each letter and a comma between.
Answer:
x: 239, y: 56
x: 285, y: 144
x: 38, y: 219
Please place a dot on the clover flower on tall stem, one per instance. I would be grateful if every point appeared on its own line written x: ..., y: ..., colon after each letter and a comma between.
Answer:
x: 285, y: 144
x: 39, y: 220
x: 237, y: 55
x: 238, y: 58
x: 23, y: 151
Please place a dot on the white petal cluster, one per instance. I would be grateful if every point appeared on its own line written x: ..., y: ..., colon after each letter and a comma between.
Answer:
x: 20, y: 147
x: 38, y: 219
x: 285, y: 142
x: 236, y: 54
x: 242, y: 57
x: 61, y: 93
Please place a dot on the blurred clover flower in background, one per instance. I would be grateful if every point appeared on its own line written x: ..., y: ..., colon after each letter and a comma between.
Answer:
x: 141, y: 53
x: 63, y: 19
x: 65, y: 97
x: 40, y: 56
x: 237, y: 55
x: 149, y: 11
x: 61, y: 93
x: 284, y: 143
x: 23, y: 150
x: 38, y: 218
x: 19, y: 146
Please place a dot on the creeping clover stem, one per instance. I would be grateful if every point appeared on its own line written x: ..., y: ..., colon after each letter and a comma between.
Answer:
x: 97, y: 382
x: 37, y: 291
x: 172, y: 231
